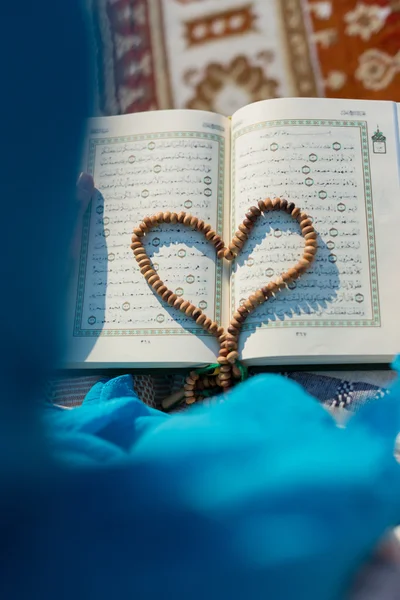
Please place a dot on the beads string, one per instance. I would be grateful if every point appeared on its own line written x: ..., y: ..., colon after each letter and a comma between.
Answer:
x: 228, y: 370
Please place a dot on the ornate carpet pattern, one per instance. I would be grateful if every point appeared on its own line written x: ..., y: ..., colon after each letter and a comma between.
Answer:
x: 222, y: 55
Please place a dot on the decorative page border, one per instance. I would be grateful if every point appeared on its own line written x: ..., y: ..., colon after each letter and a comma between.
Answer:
x: 373, y: 269
x: 93, y: 144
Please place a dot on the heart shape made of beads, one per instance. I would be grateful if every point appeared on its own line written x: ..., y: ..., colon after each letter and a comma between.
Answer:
x: 228, y: 340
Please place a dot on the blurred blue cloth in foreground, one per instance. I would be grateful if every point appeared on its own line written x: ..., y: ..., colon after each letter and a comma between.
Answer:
x: 259, y: 495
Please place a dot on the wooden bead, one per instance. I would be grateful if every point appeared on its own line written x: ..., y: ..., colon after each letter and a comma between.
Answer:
x: 268, y: 204
x: 248, y: 305
x: 304, y: 219
x: 279, y: 282
x: 149, y: 274
x: 160, y: 217
x: 251, y: 216
x: 157, y: 285
x: 188, y: 387
x: 244, y: 229
x: 228, y: 255
x: 138, y: 232
x: 232, y: 356
x: 223, y: 351
x: 313, y: 243
x: 184, y: 305
x: 241, y: 236
x: 309, y: 257
x: 136, y: 245
x: 193, y: 222
x: 310, y: 249
x: 215, y: 240
x: 190, y: 380
x: 230, y: 345
x: 207, y: 227
x: 138, y: 251
x: 187, y: 219
x: 243, y: 311
x: 305, y: 223
x: 221, y: 253
x: 148, y: 222
x: 178, y: 302
x: 261, y: 205
x: 154, y: 220
x: 214, y: 327
x: 188, y: 394
x: 200, y: 225
x: 190, y: 309
x: 222, y: 360
x: 226, y: 384
x: 196, y: 313
x: 291, y: 206
x: 286, y: 277
x: 308, y: 229
x: 174, y: 218
x: 238, y: 317
x: 254, y: 301
x: 171, y: 299
x: 293, y: 273
x: 142, y: 262
x: 233, y: 330
x: 181, y: 216
x: 220, y: 331
x: 219, y: 245
x: 235, y: 323
x: 151, y: 280
x: 161, y: 290
x: 276, y: 204
x: 207, y: 323
x: 230, y: 337
x: 144, y: 269
x: 260, y: 296
x: 248, y: 223
x: 255, y: 211
x: 224, y: 376
x: 236, y: 242
x: 210, y: 234
x: 302, y: 265
x: 284, y: 204
x: 270, y: 289
x: 295, y: 212
x: 194, y: 375
x: 167, y: 217
x: 135, y: 238
x: 311, y: 236
x: 225, y: 368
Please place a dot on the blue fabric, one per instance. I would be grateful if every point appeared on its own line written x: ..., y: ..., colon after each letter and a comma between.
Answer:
x: 260, y: 496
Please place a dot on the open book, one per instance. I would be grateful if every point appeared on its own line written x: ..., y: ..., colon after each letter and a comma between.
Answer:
x: 338, y: 160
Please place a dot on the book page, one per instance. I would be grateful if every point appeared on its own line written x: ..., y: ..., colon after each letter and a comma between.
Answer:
x: 337, y: 161
x: 143, y: 164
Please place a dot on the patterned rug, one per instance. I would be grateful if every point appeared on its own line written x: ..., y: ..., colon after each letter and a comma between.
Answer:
x: 222, y: 55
